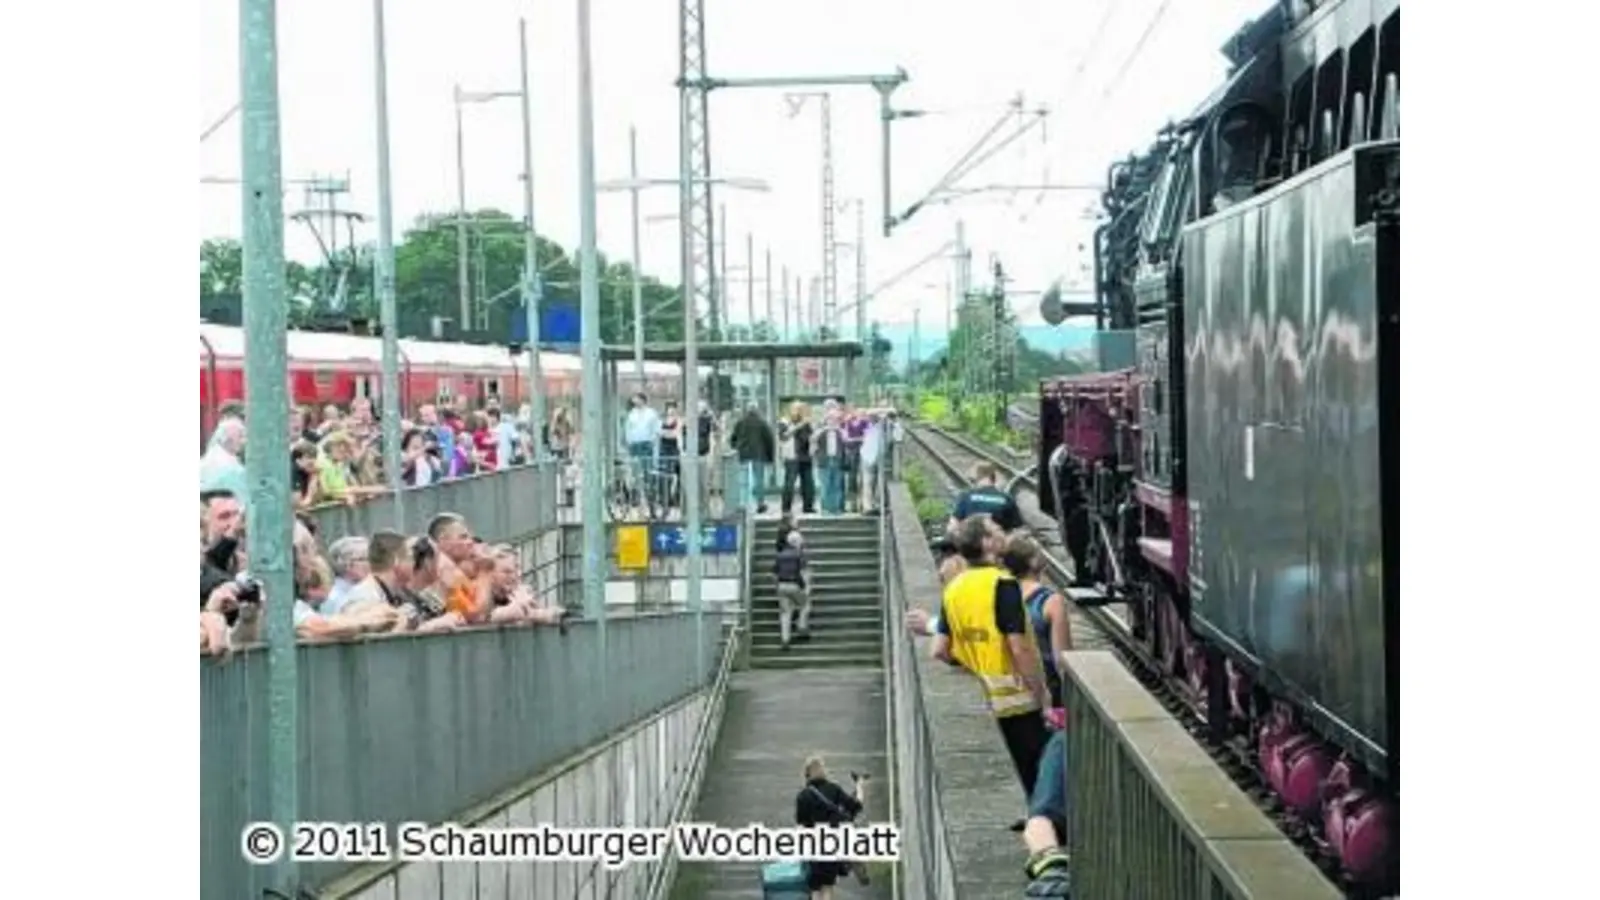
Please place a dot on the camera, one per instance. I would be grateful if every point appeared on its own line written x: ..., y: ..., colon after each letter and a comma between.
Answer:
x: 249, y: 589
x: 943, y: 547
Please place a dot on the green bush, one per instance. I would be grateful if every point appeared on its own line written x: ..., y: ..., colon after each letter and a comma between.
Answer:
x: 931, y: 511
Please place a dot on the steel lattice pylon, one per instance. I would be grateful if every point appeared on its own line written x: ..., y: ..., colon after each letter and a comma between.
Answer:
x: 830, y: 250
x: 694, y: 148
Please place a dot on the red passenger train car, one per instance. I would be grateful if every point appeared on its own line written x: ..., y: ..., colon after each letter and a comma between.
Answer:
x: 336, y: 368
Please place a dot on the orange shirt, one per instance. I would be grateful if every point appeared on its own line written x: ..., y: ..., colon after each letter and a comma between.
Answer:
x: 463, y: 599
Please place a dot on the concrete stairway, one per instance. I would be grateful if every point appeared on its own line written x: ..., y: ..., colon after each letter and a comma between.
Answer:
x: 772, y: 721
x: 846, y: 609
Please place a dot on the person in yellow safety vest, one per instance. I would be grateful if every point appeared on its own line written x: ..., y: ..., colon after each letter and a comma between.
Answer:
x: 983, y: 627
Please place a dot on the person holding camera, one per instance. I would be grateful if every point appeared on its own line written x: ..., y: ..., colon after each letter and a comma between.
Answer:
x: 391, y: 556
x: 221, y: 591
x: 420, y: 464
x: 823, y: 802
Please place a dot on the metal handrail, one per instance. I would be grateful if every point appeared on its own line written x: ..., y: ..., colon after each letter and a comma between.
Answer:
x: 890, y: 625
x: 662, y: 878
x: 747, y: 580
x: 923, y: 840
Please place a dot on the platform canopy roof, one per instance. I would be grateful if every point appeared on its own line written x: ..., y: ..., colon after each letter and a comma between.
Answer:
x: 737, y: 352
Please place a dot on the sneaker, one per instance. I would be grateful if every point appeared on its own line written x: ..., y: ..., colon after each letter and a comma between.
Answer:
x: 1049, y: 874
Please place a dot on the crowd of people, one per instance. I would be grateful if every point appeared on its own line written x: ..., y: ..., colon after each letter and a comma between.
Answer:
x: 442, y: 580
x: 337, y: 454
x: 445, y: 579
x: 836, y: 449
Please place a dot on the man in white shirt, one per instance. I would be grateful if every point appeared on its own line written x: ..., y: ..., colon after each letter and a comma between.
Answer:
x: 642, y: 432
x: 871, y: 451
x: 505, y: 437
x: 220, y: 467
x: 348, y: 558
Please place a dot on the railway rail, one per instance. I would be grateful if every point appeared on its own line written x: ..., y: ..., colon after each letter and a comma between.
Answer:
x: 1108, y: 627
x: 953, y: 456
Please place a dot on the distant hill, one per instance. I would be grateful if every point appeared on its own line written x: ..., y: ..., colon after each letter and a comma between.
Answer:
x: 1051, y: 339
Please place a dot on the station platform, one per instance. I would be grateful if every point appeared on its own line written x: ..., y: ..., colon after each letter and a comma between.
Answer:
x: 663, y: 714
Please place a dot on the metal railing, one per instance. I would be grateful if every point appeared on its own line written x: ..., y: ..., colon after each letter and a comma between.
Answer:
x: 422, y: 727
x: 746, y: 612
x: 1153, y: 817
x: 705, y: 742
x: 501, y: 506
x: 926, y: 868
x: 893, y: 630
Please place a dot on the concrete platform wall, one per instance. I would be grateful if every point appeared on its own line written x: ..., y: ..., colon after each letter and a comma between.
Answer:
x: 664, y: 585
x: 1155, y: 818
x: 629, y: 781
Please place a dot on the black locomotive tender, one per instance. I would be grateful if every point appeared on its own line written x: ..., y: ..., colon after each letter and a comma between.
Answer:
x: 1237, y: 485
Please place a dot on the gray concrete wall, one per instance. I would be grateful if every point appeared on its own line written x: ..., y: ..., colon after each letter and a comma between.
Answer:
x: 932, y: 783
x: 630, y: 781
x: 664, y: 585
x: 1157, y: 818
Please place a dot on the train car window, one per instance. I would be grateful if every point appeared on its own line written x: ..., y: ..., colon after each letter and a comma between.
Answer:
x: 364, y: 386
x: 1149, y: 232
x: 1298, y: 133
x: 1329, y: 106
x: 1358, y: 88
x: 446, y: 391
x: 1177, y: 200
x: 323, y: 379
x: 491, y: 388
x: 1386, y: 105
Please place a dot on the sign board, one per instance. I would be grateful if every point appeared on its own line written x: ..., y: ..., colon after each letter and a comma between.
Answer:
x: 633, y: 546
x: 667, y: 539
x: 560, y: 322
x: 810, y: 372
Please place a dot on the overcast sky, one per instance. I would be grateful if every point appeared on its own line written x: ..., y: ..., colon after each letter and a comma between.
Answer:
x: 1105, y: 100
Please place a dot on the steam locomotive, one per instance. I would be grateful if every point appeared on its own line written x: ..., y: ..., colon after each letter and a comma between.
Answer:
x: 1232, y: 473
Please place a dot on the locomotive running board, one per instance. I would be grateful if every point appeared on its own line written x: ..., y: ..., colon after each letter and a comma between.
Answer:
x: 1089, y: 597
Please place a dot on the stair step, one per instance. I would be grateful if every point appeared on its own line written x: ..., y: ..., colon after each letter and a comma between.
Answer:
x: 830, y: 573
x: 822, y: 636
x: 768, y: 543
x: 813, y: 529
x: 838, y: 601
x: 824, y: 562
x: 829, y: 616
x: 812, y: 660
x: 859, y: 595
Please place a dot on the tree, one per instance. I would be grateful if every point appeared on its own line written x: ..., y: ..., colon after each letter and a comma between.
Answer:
x: 221, y: 268
x: 222, y: 283
x: 879, y: 349
x: 427, y: 284
x: 759, y: 333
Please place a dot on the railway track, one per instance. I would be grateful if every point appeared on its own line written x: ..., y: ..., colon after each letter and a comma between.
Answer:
x: 1107, y: 627
x: 953, y: 456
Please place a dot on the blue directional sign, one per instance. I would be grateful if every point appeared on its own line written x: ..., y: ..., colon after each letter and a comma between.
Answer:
x: 559, y: 322
x: 668, y: 539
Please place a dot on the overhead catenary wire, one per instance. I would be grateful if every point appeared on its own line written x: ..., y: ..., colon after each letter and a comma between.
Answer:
x: 1110, y: 89
x: 1075, y: 81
